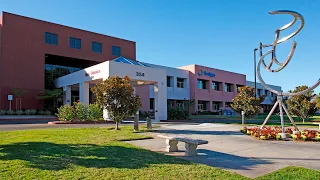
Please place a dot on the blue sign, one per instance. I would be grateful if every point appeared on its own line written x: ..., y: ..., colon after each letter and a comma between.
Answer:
x: 206, y: 73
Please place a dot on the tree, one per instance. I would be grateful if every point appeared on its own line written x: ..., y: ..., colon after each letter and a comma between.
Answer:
x: 54, y: 95
x: 116, y: 95
x: 245, y: 101
x: 302, y: 106
x: 19, y: 94
x: 318, y: 101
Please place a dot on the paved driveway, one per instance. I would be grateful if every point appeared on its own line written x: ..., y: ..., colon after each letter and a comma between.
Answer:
x: 231, y: 150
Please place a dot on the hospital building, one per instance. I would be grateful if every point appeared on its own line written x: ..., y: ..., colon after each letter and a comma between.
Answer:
x: 37, y: 55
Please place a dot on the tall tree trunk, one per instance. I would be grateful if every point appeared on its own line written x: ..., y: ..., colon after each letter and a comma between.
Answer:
x: 303, y: 120
x: 20, y: 104
x: 117, y: 125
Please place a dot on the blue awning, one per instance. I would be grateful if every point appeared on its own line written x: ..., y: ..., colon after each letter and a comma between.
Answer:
x: 129, y: 61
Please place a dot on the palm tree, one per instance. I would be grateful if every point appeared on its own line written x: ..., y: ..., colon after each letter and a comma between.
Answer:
x: 19, y: 94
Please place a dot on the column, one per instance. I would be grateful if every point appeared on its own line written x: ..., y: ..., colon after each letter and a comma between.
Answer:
x: 210, y: 106
x: 67, y: 95
x: 160, y: 98
x: 174, y: 85
x: 84, y: 92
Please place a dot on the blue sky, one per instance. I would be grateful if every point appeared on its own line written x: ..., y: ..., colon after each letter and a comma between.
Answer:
x: 219, y: 34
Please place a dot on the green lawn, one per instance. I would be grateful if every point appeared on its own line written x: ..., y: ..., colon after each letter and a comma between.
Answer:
x: 292, y: 173
x: 99, y: 153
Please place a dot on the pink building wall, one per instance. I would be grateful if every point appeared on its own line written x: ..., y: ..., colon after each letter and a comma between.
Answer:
x: 209, y: 94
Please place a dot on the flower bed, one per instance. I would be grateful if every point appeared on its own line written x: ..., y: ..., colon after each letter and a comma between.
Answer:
x: 272, y: 133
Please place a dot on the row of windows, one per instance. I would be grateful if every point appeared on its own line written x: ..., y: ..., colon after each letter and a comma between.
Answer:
x: 75, y: 43
x: 203, y: 84
x: 216, y: 105
x: 266, y: 92
x: 180, y: 82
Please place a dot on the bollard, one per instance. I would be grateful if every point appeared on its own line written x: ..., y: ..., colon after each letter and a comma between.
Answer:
x: 242, y: 114
x: 136, y: 121
x: 149, y: 125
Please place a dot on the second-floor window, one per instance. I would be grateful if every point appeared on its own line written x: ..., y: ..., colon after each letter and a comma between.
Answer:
x: 180, y: 82
x: 227, y: 87
x: 116, y: 51
x: 96, y: 47
x: 75, y: 43
x: 168, y: 81
x: 259, y: 92
x: 215, y: 86
x: 51, y: 38
x: 202, y: 84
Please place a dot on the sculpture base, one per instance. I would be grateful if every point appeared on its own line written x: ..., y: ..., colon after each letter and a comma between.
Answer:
x: 284, y: 136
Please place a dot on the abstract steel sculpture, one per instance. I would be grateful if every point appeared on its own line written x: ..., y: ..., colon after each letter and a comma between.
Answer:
x: 282, y: 65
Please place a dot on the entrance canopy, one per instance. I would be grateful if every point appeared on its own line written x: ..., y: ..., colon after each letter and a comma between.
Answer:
x: 138, y: 72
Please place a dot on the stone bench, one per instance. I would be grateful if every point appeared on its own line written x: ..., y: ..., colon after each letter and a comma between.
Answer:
x: 317, y: 123
x: 190, y: 144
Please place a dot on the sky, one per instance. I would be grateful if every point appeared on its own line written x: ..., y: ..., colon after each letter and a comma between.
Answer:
x: 218, y: 34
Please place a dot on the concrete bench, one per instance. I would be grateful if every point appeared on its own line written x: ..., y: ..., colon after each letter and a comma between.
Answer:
x: 190, y: 144
x: 317, y: 123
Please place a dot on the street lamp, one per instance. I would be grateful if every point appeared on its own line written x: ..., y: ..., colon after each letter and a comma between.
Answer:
x: 255, y: 72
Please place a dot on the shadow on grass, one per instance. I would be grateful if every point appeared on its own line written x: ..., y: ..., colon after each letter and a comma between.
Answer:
x: 51, y: 156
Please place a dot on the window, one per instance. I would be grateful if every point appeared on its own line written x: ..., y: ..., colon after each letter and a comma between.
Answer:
x: 75, y: 43
x: 51, y: 38
x: 215, y: 106
x: 180, y: 104
x: 266, y: 92
x: 116, y: 51
x: 168, y: 81
x: 180, y: 82
x: 227, y: 87
x: 215, y: 85
x: 259, y: 92
x: 152, y: 103
x: 96, y: 47
x: 202, y: 105
x: 202, y: 84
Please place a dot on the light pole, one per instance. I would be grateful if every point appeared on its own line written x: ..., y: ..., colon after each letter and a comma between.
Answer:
x: 255, y: 72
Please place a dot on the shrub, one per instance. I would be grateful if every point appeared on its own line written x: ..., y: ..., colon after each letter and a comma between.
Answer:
x: 65, y: 113
x: 10, y: 112
x: 42, y: 112
x: 47, y: 112
x: 146, y: 113
x: 177, y: 114
x: 30, y: 112
x: 81, y: 111
x: 19, y: 112
x: 95, y: 112
x: 3, y: 112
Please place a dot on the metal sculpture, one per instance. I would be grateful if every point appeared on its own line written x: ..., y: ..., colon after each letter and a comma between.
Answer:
x: 282, y: 65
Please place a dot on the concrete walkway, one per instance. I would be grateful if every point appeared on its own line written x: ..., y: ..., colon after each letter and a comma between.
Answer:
x: 231, y: 150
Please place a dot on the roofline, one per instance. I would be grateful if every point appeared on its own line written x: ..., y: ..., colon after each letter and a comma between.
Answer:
x: 215, y: 69
x: 4, y: 12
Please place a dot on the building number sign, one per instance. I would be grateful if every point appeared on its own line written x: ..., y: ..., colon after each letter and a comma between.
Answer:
x: 139, y: 74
